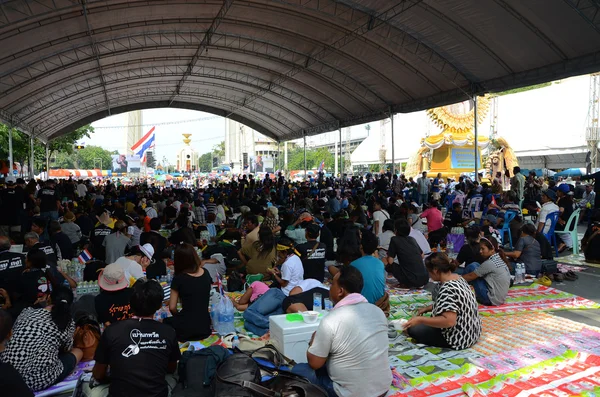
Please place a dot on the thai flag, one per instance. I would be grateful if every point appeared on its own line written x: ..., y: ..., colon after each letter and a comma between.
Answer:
x: 322, y: 166
x: 84, y: 257
x: 142, y: 146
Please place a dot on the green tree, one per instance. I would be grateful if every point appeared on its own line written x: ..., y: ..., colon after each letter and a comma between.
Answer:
x: 314, y: 157
x: 87, y: 158
x: 205, y: 162
x: 21, y: 146
x: 219, y: 150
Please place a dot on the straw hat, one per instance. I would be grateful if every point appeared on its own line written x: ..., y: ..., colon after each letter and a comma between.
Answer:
x: 69, y: 217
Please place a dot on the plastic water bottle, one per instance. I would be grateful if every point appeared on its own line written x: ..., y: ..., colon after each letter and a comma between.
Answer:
x: 328, y: 305
x: 225, y: 323
x: 519, y: 273
x: 225, y: 284
x: 164, y: 313
x: 214, y: 317
x: 317, y: 302
x: 449, y: 248
x: 236, y: 342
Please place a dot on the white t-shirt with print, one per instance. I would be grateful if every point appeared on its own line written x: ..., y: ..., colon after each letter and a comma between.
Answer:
x: 292, y: 271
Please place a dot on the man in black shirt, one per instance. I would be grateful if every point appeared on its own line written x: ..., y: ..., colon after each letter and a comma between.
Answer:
x: 99, y: 233
x: 61, y: 240
x: 141, y: 352
x: 11, y: 201
x: 12, y: 265
x: 312, y: 254
x: 49, y: 202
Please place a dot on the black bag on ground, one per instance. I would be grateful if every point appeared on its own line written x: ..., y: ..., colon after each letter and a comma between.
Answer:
x: 233, y: 374
x: 549, y: 266
x: 197, y: 371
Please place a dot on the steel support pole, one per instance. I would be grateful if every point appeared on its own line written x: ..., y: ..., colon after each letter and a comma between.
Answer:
x: 10, y: 150
x: 341, y: 155
x: 31, y: 156
x: 47, y: 160
x: 285, y: 157
x: 278, y: 157
x: 475, y: 133
x: 305, y: 171
x: 393, y: 146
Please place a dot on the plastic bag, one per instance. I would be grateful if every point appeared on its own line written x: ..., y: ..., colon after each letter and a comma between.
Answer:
x: 224, y: 312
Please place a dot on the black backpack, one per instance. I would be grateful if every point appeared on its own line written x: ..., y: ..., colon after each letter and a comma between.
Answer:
x: 197, y: 370
x: 235, y: 374
x: 240, y: 376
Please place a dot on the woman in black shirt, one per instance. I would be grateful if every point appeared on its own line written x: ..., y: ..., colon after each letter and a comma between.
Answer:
x: 191, y: 285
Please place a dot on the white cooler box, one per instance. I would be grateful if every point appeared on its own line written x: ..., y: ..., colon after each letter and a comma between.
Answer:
x: 291, y: 338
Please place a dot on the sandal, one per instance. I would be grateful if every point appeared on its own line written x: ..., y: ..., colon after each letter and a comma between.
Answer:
x: 562, y: 249
x: 571, y: 276
x: 544, y: 280
x: 558, y: 277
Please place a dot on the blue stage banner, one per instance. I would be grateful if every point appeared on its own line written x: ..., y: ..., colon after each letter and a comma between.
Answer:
x: 464, y: 159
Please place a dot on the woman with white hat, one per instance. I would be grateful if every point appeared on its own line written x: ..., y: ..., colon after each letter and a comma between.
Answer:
x: 112, y: 304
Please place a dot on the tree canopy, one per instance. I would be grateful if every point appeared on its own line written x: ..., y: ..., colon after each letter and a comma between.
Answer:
x: 314, y: 157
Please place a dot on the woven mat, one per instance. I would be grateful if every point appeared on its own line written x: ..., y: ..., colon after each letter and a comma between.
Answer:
x: 69, y: 383
x: 505, y: 333
x: 563, y: 268
x: 536, y: 298
x: 569, y: 374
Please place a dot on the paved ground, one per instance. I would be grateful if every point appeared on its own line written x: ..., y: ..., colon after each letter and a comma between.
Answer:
x: 587, y: 286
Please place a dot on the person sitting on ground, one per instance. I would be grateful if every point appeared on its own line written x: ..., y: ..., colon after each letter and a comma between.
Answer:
x: 259, y: 256
x: 71, y: 229
x: 405, y: 259
x: 301, y: 296
x: 435, y: 219
x: 455, y: 321
x: 11, y: 382
x: 191, y: 285
x: 251, y: 227
x: 138, y: 260
x: 469, y: 252
x: 312, y: 254
x: 12, y: 265
x: 140, y: 352
x: 528, y: 251
x: 350, y: 345
x: 379, y: 216
x: 455, y: 218
x: 117, y: 242
x: 372, y: 270
x: 491, y: 279
x: 99, y: 233
x: 253, y: 292
x: 41, y: 346
x: 112, y: 303
x: 183, y: 233
x: 386, y: 237
x: 256, y: 316
x: 348, y: 247
x: 272, y: 219
x: 297, y: 230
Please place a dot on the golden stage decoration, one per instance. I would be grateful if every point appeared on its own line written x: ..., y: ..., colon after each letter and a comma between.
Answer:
x: 452, y: 151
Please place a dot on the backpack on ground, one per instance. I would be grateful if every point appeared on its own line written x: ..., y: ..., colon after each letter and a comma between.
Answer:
x: 235, y: 374
x: 197, y: 370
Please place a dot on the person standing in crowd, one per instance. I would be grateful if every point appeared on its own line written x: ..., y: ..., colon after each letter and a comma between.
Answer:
x: 565, y: 209
x: 455, y: 321
x: 49, y: 202
x: 350, y: 344
x: 191, y: 285
x: 596, y: 177
x: 41, y: 348
x: 436, y: 187
x: 517, y: 184
x: 423, y: 185
x: 12, y: 201
x: 141, y: 353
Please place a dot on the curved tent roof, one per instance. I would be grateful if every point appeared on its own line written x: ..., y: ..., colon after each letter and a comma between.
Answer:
x: 282, y: 67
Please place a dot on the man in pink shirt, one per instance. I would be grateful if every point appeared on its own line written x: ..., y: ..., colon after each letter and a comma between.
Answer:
x: 435, y: 219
